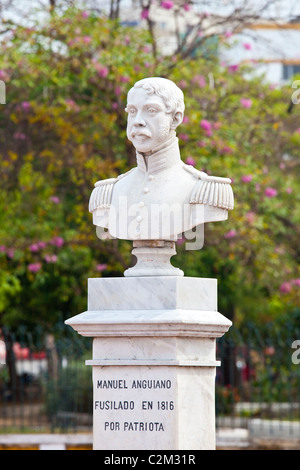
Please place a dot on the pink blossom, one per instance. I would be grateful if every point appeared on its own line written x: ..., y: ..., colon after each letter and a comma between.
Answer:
x: 101, y: 267
x: 182, y: 84
x: 34, y: 247
x: 233, y: 68
x: 185, y: 120
x: 57, y: 241
x: 102, y: 70
x: 226, y: 149
x: 186, y: 7
x: 34, y: 267
x: 190, y: 161
x: 124, y: 79
x: 246, y: 103
x: 55, y: 199
x: 2, y: 248
x: 298, y: 130
x: 10, y: 253
x: 72, y: 105
x: 247, y: 46
x: 41, y: 244
x: 230, y: 234
x: 50, y: 258
x: 296, y: 282
x: 206, y: 125
x: 270, y: 192
x: 201, y: 143
x: 246, y: 178
x: 184, y: 137
x: 2, y: 75
x: 250, y: 217
x: 167, y: 4
x: 285, y: 287
x: 145, y: 14
x: 200, y: 80
x: 25, y: 105
x: 217, y: 125
x: 19, y: 136
x: 87, y: 39
x: 126, y: 39
x: 228, y: 34
x: 85, y: 14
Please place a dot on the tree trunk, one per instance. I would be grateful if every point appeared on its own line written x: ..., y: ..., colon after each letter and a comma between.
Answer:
x: 52, y: 357
x: 14, y: 381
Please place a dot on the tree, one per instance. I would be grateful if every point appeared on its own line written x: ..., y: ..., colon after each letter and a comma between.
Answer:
x: 64, y: 127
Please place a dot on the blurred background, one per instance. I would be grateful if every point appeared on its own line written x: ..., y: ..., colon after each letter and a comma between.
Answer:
x: 65, y: 70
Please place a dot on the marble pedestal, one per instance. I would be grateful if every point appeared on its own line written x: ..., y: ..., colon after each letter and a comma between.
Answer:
x: 154, y: 361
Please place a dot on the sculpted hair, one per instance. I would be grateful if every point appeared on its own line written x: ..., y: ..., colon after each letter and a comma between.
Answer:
x: 170, y: 93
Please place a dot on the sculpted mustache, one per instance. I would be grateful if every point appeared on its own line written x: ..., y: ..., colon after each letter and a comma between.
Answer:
x: 144, y: 134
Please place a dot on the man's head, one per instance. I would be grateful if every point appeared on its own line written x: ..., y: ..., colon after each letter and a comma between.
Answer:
x: 155, y: 108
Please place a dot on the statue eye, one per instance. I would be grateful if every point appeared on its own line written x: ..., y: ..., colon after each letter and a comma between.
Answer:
x: 152, y: 110
x: 132, y: 111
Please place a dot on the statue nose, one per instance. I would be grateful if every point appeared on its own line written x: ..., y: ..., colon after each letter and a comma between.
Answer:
x: 139, y: 121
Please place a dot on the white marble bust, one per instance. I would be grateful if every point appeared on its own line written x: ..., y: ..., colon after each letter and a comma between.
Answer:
x: 162, y: 197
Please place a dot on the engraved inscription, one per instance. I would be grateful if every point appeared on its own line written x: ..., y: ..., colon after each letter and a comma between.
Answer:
x: 140, y: 405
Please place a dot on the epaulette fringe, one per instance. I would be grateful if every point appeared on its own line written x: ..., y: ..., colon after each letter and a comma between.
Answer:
x: 102, y: 193
x: 214, y: 191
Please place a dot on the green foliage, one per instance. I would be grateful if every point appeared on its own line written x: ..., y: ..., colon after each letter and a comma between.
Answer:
x: 64, y: 127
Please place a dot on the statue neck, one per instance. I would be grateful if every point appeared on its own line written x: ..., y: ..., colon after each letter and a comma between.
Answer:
x: 162, y: 157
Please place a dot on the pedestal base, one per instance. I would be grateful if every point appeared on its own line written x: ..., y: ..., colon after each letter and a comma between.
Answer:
x: 142, y: 407
x: 153, y: 259
x: 153, y: 361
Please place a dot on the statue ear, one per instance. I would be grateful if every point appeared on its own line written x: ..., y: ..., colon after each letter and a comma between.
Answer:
x: 177, y: 119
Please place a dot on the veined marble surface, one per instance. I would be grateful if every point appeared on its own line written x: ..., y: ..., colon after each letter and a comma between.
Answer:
x: 152, y: 293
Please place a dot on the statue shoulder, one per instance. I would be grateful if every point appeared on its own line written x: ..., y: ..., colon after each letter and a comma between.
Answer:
x: 102, y: 193
x: 212, y: 190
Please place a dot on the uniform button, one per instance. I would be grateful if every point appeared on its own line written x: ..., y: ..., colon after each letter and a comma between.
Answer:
x: 139, y: 218
x: 141, y: 204
x: 146, y: 190
x: 151, y: 177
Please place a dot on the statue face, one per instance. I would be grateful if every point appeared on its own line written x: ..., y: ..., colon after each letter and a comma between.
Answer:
x: 149, y: 124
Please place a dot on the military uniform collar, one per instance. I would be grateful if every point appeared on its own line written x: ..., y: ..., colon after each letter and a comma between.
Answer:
x: 161, y: 158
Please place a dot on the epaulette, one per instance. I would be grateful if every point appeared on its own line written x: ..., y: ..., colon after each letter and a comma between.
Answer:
x: 102, y: 193
x: 212, y: 190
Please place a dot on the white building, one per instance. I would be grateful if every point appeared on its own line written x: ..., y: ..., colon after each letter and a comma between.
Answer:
x: 273, y: 48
